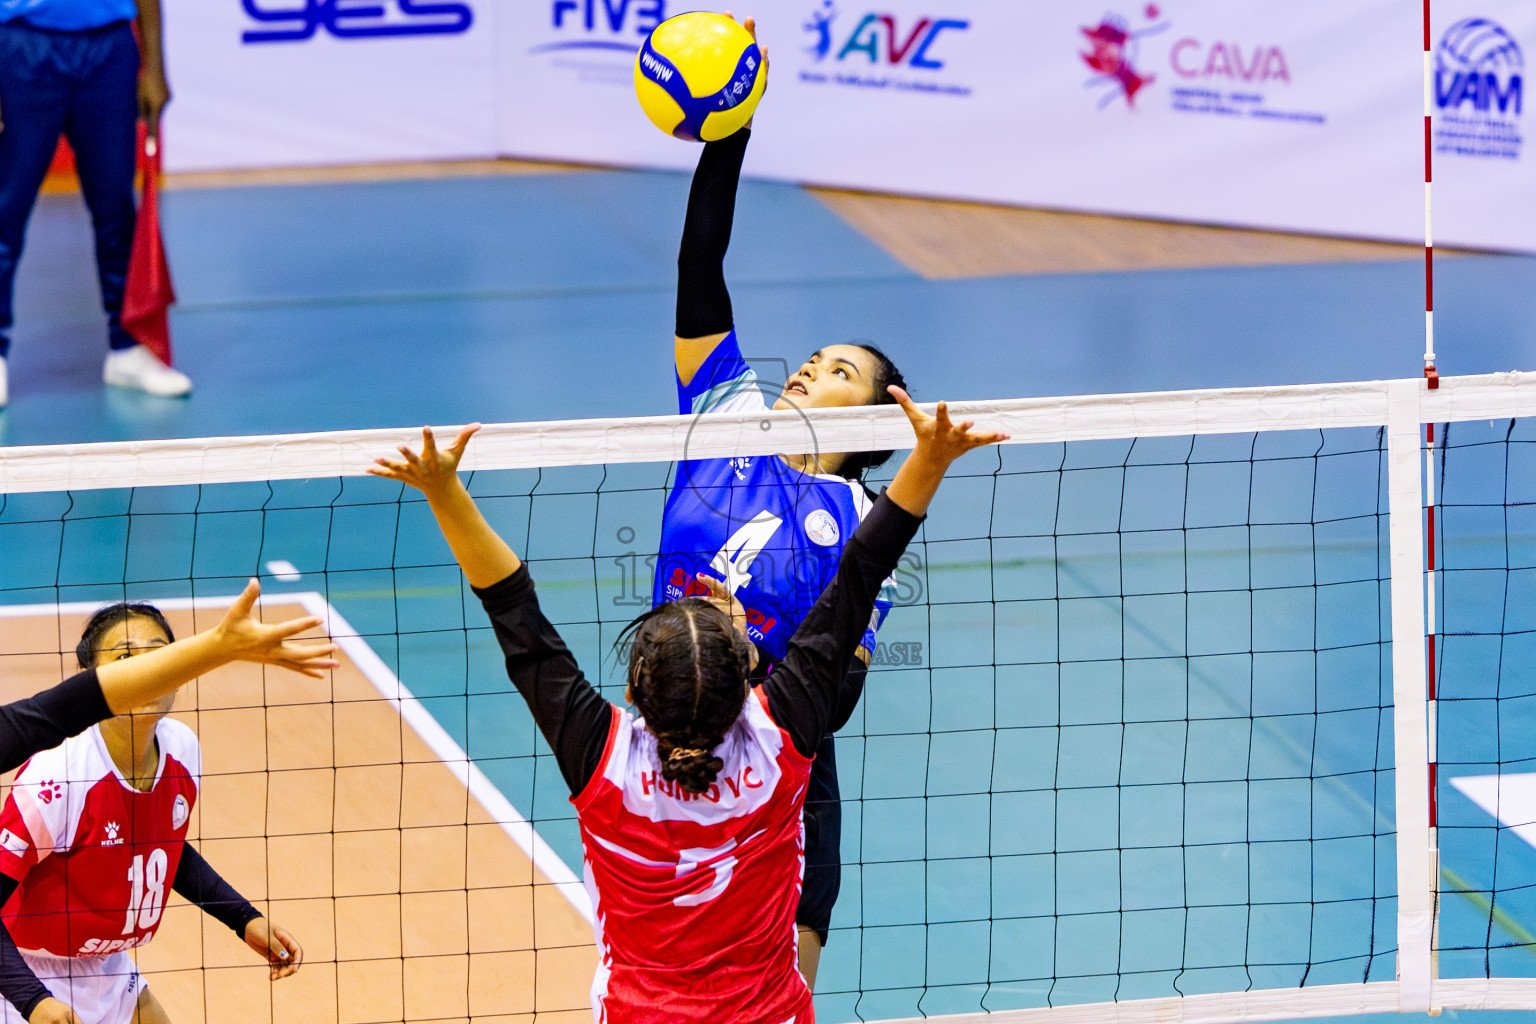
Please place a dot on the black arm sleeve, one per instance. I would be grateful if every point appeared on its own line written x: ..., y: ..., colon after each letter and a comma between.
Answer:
x: 703, y: 303
x: 848, y: 695
x: 200, y: 884
x: 570, y: 713
x: 17, y: 982
x: 44, y: 721
x: 803, y: 689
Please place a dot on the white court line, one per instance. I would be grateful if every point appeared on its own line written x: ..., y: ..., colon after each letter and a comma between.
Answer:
x: 427, y: 728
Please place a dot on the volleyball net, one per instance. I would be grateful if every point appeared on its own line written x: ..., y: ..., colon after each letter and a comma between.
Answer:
x: 1150, y: 732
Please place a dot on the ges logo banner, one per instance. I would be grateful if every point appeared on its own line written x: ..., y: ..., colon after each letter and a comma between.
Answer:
x: 354, y: 19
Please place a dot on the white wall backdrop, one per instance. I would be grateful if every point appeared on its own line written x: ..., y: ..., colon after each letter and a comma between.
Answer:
x: 1302, y: 116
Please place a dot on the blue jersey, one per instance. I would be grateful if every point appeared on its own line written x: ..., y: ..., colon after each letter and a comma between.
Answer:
x: 69, y: 15
x: 773, y: 533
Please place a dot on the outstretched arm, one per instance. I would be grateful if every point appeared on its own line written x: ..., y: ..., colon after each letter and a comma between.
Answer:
x: 704, y: 314
x: 480, y: 551
x: 570, y: 713
x: 803, y: 690
x: 134, y: 682
x: 47, y: 719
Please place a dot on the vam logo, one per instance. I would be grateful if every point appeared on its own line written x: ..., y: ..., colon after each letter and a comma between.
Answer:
x: 345, y: 20
x: 1479, y: 91
x: 1478, y: 64
x: 603, y: 24
x: 879, y: 38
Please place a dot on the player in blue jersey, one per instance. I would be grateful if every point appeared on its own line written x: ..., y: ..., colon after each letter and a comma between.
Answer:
x: 771, y: 527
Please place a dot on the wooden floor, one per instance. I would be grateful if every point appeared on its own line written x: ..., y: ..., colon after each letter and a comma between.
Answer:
x: 944, y: 239
x: 321, y: 806
x: 934, y: 238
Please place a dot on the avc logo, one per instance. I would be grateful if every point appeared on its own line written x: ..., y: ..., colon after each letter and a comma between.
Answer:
x: 879, y: 37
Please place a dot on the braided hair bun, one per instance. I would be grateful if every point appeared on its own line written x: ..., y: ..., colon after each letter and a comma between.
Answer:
x: 693, y: 768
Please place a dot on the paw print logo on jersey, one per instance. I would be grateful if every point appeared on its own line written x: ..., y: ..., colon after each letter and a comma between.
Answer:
x: 49, y: 791
x: 112, y: 838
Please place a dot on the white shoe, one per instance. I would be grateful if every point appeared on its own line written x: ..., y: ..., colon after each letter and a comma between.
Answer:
x: 142, y: 370
x: 5, y: 394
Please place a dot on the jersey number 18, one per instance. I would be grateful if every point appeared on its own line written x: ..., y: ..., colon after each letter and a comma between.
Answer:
x: 146, y: 895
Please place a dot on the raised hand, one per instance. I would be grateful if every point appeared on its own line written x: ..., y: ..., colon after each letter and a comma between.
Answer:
x: 937, y: 436
x: 750, y: 24
x: 242, y: 638
x: 430, y: 471
x: 484, y: 557
x: 939, y: 443
x: 276, y: 946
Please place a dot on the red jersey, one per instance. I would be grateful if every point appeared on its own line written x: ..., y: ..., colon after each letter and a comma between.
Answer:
x: 95, y: 857
x: 694, y: 895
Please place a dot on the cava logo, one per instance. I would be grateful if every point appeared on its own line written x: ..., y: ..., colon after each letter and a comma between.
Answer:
x: 1234, y: 62
x: 1210, y: 76
x: 1479, y: 91
x: 1114, y: 55
x: 348, y: 20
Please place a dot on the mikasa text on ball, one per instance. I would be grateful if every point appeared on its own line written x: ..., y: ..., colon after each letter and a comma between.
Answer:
x: 699, y: 76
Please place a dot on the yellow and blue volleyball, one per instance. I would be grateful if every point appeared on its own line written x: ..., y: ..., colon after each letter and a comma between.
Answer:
x: 699, y: 76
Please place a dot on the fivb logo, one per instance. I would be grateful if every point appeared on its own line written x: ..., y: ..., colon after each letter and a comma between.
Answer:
x: 878, y: 38
x: 346, y: 20
x: 603, y: 24
x: 1478, y: 64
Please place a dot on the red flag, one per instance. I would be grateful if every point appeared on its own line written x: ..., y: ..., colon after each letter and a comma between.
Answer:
x: 149, y: 294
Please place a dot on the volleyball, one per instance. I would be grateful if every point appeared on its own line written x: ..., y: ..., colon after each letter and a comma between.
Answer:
x: 699, y: 76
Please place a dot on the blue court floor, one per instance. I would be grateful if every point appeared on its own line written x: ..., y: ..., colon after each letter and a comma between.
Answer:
x: 1146, y: 752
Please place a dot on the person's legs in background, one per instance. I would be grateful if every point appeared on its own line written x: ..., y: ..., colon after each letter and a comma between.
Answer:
x: 34, y: 98
x: 102, y: 127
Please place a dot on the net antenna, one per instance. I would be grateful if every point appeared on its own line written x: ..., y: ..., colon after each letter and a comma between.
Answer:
x: 1044, y: 861
x: 1431, y: 374
x: 1432, y: 379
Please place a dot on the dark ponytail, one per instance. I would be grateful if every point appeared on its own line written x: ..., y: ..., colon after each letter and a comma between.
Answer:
x: 687, y: 673
x: 858, y: 463
x: 112, y: 615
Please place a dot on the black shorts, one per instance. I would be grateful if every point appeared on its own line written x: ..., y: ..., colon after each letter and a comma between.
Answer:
x: 823, y: 844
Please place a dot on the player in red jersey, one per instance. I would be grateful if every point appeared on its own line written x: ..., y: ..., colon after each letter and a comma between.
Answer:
x: 93, y: 835
x: 690, y: 815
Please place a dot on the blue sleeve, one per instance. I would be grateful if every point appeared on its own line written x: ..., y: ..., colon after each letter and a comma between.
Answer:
x: 882, y: 609
x: 725, y: 383
x: 851, y: 518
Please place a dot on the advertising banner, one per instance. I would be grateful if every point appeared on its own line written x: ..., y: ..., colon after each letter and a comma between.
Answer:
x: 281, y: 83
x: 1305, y: 116
x: 1484, y: 165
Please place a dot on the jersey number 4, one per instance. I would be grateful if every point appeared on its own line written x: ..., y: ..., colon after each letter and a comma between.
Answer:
x: 733, y: 560
x: 146, y: 893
